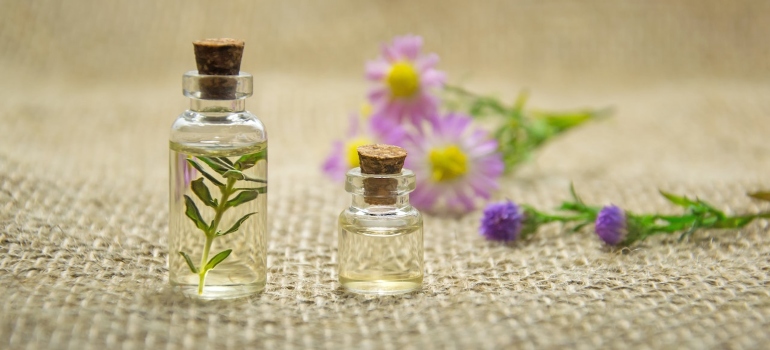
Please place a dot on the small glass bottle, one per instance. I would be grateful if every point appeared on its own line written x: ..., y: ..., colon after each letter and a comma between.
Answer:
x: 218, y: 181
x: 380, y: 248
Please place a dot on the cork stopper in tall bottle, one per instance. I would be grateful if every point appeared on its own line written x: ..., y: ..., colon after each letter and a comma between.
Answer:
x: 218, y: 57
x: 381, y: 159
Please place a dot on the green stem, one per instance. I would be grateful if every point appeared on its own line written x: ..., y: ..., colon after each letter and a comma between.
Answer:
x: 211, y: 234
x: 563, y: 219
x: 203, y: 271
x: 221, y: 208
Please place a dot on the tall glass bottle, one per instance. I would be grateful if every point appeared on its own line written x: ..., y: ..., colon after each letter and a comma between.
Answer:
x: 218, y: 191
x: 380, y: 246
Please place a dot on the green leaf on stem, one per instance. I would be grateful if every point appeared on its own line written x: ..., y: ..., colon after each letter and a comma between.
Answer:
x: 189, y: 262
x: 242, y: 197
x: 215, y: 164
x: 251, y: 179
x: 563, y: 121
x: 249, y: 160
x: 237, y: 175
x: 681, y: 201
x: 761, y: 195
x: 217, y: 259
x: 194, y: 215
x: 237, y: 225
x: 205, y: 174
x: 262, y: 189
x: 225, y: 160
x: 574, y: 194
x: 200, y: 190
x: 234, y: 174
x: 735, y: 221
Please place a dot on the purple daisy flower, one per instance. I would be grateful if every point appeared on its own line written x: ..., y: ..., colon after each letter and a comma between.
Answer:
x: 344, y: 154
x: 404, y: 81
x: 454, y: 164
x: 502, y: 221
x: 611, y: 225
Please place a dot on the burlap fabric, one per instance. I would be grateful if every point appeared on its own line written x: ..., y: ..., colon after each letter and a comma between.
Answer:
x: 89, y: 89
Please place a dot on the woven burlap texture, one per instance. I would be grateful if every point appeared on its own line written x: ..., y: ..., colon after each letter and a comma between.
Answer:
x: 90, y: 89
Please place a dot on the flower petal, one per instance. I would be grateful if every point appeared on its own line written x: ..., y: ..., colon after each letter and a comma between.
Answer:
x: 408, y: 46
x: 377, y: 70
x: 427, y: 62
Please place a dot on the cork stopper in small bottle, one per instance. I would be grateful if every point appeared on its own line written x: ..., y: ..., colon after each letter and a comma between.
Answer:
x: 381, y: 160
x: 218, y: 57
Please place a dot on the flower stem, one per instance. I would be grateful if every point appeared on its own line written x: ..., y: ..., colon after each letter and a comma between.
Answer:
x: 212, y: 232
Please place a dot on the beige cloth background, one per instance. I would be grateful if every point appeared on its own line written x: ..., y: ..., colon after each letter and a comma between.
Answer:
x: 89, y: 89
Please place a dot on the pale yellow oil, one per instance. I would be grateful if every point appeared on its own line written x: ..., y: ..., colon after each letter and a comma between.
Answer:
x: 244, y: 271
x: 380, y: 256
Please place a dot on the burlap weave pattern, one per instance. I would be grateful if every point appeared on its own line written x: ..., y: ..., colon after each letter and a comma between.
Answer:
x: 89, y: 90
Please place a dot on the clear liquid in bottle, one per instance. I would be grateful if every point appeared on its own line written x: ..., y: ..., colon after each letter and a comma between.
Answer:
x: 380, y: 256
x: 212, y: 211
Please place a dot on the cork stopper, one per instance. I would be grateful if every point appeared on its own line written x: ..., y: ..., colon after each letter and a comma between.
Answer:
x: 381, y: 160
x: 218, y: 57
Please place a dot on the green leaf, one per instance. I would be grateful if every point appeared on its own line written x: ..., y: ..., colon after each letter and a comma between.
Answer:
x: 189, y: 262
x: 735, y: 221
x: 247, y: 178
x: 249, y: 160
x: 521, y: 100
x: 217, y: 259
x: 237, y: 175
x: 564, y: 121
x: 572, y: 191
x: 215, y: 164
x: 205, y: 174
x: 710, y: 208
x: 243, y: 197
x: 681, y: 201
x: 200, y: 190
x: 237, y: 225
x: 194, y: 215
x: 234, y: 174
x: 761, y: 195
x: 225, y: 160
x: 262, y: 189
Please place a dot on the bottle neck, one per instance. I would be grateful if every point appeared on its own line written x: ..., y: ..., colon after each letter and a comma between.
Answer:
x: 380, y: 204
x: 222, y: 106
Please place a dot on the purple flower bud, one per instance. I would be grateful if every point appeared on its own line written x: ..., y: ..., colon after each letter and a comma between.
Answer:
x: 611, y: 225
x: 502, y: 221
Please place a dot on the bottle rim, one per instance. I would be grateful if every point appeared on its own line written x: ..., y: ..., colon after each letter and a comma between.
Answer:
x: 239, y: 86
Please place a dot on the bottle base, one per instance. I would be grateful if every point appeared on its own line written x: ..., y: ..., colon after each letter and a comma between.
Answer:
x: 381, y: 287
x: 220, y: 292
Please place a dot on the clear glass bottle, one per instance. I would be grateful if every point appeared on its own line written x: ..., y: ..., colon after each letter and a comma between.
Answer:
x: 218, y: 191
x: 380, y: 246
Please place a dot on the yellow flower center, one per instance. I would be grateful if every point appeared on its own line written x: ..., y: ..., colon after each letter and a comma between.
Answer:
x: 351, y: 150
x: 403, y: 80
x: 447, y: 163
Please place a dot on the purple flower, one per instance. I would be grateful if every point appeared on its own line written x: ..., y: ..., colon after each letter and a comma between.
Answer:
x: 502, y: 221
x: 403, y: 81
x: 454, y: 163
x: 611, y: 225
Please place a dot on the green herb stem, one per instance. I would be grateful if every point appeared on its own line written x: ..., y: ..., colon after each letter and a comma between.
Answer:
x: 212, y: 232
x: 203, y: 270
x: 519, y: 131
